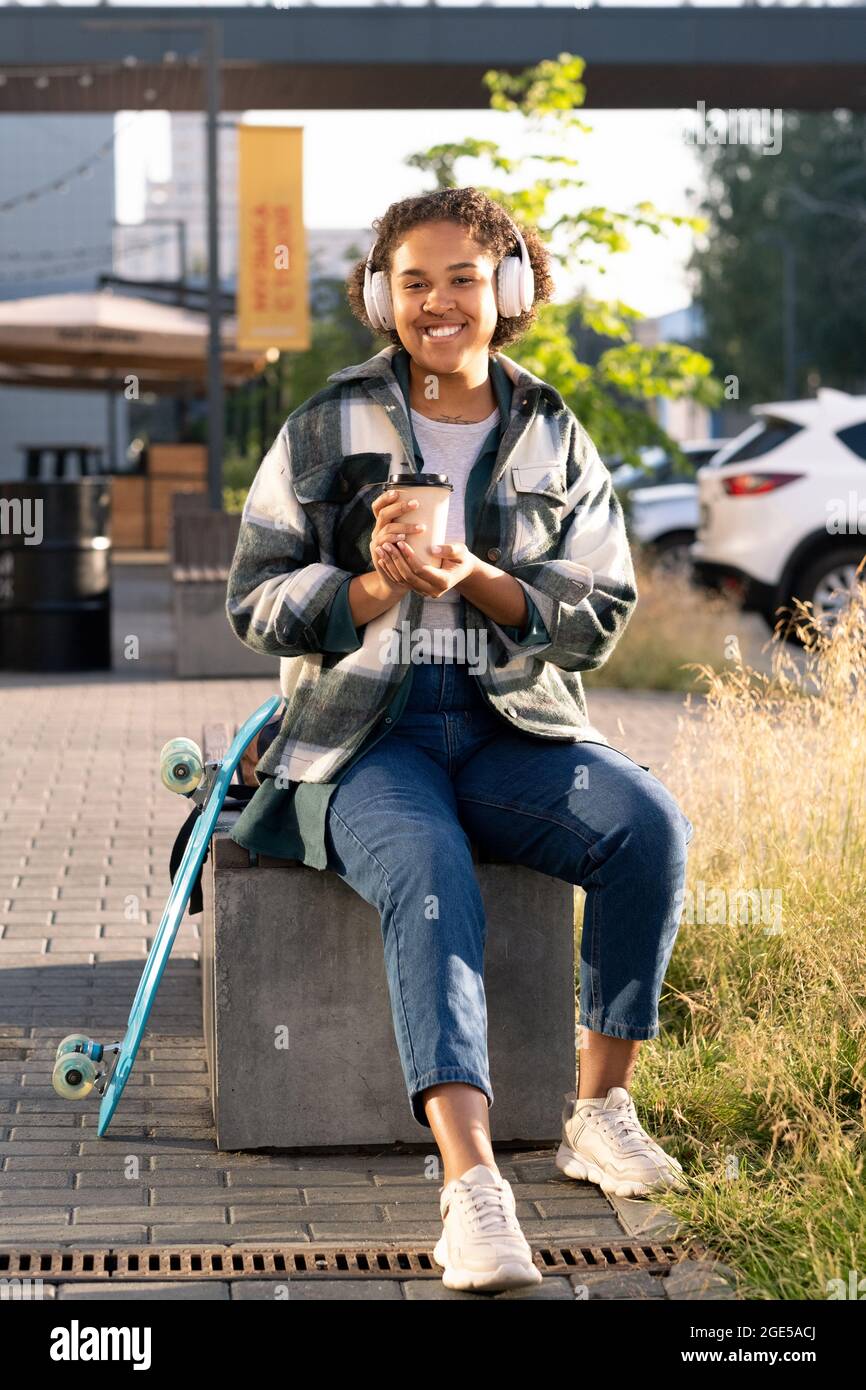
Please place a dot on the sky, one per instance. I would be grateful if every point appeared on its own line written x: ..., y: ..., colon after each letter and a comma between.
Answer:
x: 628, y: 157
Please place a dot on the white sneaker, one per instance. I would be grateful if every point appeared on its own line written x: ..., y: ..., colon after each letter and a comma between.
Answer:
x: 482, y: 1245
x: 605, y: 1143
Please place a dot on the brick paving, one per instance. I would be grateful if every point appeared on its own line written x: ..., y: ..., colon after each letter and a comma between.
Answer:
x: 86, y: 832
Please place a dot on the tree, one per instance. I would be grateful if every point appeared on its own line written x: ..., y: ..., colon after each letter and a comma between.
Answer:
x: 610, y: 395
x: 807, y: 205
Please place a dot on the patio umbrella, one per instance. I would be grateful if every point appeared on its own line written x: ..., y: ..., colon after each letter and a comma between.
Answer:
x: 103, y: 337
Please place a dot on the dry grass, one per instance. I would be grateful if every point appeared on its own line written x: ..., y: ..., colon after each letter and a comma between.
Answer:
x: 673, y: 625
x: 757, y: 1079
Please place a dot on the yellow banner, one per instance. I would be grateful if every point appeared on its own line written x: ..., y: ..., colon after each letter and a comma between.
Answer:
x: 273, y: 300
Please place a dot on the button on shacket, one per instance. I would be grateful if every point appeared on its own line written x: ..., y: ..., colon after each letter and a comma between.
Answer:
x: 539, y: 497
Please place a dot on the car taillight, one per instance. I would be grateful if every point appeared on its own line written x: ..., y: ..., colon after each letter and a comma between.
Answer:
x: 750, y: 484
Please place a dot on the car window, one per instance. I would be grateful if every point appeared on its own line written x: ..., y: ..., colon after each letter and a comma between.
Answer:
x: 768, y: 434
x: 854, y: 437
x: 698, y: 457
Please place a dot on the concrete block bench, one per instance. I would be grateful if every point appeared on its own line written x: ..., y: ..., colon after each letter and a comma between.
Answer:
x: 297, y: 1016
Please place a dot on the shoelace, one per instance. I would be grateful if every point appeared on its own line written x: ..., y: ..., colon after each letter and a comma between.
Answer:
x: 484, y: 1205
x: 626, y: 1125
x: 623, y: 1124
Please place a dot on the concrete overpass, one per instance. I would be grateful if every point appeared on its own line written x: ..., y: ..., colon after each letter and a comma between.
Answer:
x: 59, y: 58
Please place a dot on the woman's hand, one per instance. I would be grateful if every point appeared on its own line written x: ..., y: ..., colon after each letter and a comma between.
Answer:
x: 388, y: 508
x: 400, y: 562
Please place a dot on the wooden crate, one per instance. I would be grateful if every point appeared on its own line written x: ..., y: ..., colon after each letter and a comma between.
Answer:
x: 129, y: 512
x: 177, y: 460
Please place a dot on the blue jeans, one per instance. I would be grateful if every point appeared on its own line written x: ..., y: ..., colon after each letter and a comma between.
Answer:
x: 452, y: 770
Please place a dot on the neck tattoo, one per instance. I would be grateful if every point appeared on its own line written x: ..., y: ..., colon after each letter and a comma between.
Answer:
x: 451, y: 420
x: 442, y: 419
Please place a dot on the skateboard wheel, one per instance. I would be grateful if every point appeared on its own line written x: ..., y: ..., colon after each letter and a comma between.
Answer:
x: 73, y: 1076
x: 181, y: 765
x: 70, y: 1042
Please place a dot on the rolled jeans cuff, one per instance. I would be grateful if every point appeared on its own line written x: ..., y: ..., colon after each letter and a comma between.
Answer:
x: 612, y: 1028
x: 444, y: 1074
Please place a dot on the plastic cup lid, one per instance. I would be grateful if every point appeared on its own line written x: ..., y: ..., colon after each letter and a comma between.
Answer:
x: 404, y: 478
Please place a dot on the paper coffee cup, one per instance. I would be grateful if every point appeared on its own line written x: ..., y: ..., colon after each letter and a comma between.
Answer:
x: 432, y: 491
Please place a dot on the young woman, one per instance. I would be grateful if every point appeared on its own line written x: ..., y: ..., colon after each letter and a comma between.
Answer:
x: 386, y: 768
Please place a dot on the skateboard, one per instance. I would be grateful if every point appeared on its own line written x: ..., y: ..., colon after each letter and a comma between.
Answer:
x: 182, y: 770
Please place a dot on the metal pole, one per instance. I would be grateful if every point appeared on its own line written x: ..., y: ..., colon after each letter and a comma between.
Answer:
x: 213, y: 48
x: 112, y: 433
x: 181, y: 254
x: 183, y: 396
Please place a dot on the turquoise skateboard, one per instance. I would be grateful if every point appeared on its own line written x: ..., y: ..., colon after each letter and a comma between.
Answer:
x: 182, y: 769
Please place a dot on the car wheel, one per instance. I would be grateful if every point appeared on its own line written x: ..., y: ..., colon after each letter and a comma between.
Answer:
x: 827, y: 583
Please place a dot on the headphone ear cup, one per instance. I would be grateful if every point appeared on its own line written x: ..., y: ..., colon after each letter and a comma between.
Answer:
x: 377, y: 300
x: 516, y: 286
x: 508, y: 283
x: 382, y: 300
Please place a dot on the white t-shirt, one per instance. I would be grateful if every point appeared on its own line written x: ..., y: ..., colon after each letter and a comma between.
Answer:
x: 452, y: 450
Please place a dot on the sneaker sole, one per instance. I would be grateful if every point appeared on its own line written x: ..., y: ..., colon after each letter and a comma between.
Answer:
x: 568, y: 1162
x: 510, y: 1275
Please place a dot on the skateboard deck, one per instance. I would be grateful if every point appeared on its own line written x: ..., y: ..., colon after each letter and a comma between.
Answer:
x: 218, y: 778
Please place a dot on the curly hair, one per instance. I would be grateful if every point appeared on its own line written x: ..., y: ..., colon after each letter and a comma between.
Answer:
x: 487, y: 222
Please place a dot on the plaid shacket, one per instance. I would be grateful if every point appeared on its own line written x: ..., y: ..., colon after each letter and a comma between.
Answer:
x: 548, y: 516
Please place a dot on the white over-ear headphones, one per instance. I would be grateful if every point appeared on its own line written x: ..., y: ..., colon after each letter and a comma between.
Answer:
x: 515, y: 288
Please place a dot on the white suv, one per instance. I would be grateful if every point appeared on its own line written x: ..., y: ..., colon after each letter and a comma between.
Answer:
x: 782, y: 509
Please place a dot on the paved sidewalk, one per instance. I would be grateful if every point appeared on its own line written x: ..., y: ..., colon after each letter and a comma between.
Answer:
x: 86, y: 833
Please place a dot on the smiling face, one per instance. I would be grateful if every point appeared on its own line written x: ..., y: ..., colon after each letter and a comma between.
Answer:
x: 441, y: 278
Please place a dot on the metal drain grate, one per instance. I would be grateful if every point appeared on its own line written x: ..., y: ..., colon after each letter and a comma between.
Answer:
x: 383, y: 1261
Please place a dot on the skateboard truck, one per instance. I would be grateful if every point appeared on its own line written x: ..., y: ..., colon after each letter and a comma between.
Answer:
x: 183, y: 769
x: 75, y: 1073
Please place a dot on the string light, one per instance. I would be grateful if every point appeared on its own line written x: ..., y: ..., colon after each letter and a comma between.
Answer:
x: 42, y: 80
x: 102, y: 250
x: 31, y: 276
x: 61, y: 183
x: 73, y: 272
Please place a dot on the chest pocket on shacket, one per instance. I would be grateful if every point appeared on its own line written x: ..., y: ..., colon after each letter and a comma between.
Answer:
x: 540, y: 498
x: 337, y: 497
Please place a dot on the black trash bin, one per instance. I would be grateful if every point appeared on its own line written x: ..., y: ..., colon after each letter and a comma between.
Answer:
x: 55, y: 575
